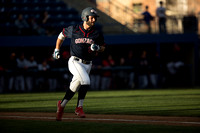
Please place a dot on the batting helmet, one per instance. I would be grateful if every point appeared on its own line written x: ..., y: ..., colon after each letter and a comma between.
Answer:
x: 89, y: 11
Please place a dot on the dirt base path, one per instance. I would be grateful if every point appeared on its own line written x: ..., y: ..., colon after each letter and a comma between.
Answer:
x: 159, y: 120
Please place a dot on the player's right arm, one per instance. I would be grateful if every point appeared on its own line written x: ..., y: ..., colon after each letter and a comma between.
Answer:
x: 66, y: 33
x: 60, y: 40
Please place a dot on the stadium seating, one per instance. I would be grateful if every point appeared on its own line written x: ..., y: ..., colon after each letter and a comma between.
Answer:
x: 61, y: 15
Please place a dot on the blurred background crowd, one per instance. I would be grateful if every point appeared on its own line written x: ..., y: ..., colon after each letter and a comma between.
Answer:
x: 23, y: 71
x: 150, y: 44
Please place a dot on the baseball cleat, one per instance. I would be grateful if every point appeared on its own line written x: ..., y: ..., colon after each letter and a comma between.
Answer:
x: 79, y: 112
x: 60, y: 111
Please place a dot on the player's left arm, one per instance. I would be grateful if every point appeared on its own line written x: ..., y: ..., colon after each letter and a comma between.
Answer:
x: 101, y: 43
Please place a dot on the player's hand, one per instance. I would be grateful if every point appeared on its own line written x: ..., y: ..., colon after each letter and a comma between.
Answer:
x: 95, y: 47
x: 56, y: 54
x: 102, y: 48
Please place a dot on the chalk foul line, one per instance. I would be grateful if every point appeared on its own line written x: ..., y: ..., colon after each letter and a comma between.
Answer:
x: 103, y: 119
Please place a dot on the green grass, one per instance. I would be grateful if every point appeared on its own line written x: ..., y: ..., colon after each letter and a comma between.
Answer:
x: 170, y: 102
x: 27, y: 126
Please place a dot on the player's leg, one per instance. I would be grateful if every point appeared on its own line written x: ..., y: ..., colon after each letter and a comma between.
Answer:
x: 61, y: 104
x: 82, y: 75
x: 81, y: 96
x: 85, y: 84
x: 80, y: 80
x: 74, y: 85
x: 82, y: 91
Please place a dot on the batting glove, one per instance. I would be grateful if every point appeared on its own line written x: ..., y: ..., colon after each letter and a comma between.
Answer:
x: 56, y: 54
x: 95, y: 47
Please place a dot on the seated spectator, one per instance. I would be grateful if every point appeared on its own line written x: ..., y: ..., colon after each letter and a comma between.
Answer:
x: 36, y: 28
x: 22, y: 25
x: 45, y: 18
x: 44, y: 21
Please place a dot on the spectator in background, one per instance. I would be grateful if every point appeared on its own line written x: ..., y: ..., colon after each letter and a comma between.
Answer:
x: 63, y: 64
x: 147, y: 19
x: 21, y: 70
x: 122, y: 75
x: 22, y: 25
x: 36, y: 28
x: 44, y: 21
x: 161, y: 15
x: 190, y: 23
x: 11, y: 66
x: 30, y: 76
x: 131, y: 62
x: 107, y: 63
x: 143, y: 70
x: 53, y: 73
x: 174, y: 66
x: 45, y: 18
x: 42, y: 79
x: 43, y: 66
x: 155, y: 70
x: 96, y: 73
x: 1, y: 78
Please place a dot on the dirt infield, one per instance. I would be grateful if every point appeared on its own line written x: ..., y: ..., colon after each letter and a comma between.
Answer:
x: 159, y: 120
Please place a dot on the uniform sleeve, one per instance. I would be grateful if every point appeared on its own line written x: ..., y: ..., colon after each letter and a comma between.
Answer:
x: 67, y: 32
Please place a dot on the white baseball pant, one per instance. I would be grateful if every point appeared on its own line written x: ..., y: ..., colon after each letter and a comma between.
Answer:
x: 80, y: 73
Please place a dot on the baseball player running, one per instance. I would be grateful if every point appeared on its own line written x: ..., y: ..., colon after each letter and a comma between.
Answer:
x: 86, y: 43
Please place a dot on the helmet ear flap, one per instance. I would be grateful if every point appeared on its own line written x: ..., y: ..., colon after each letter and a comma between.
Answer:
x: 85, y: 18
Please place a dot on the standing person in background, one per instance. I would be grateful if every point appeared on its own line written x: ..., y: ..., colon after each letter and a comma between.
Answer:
x: 155, y: 70
x: 161, y: 14
x: 96, y: 74
x: 143, y: 70
x: 147, y: 19
x: 21, y: 70
x: 43, y: 75
x: 2, y: 75
x: 122, y: 74
x: 131, y: 62
x: 107, y: 63
x: 86, y: 43
x: 11, y: 67
x: 30, y: 77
